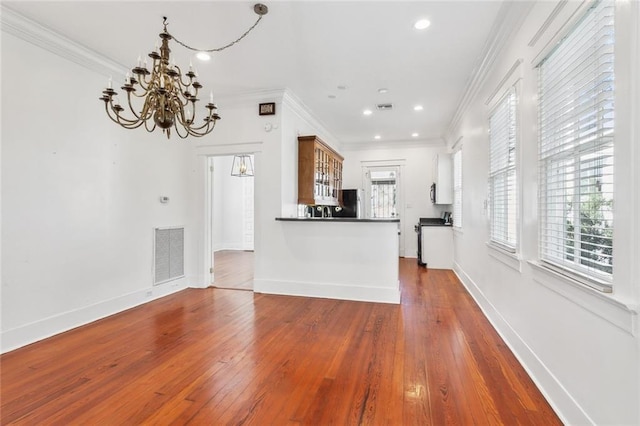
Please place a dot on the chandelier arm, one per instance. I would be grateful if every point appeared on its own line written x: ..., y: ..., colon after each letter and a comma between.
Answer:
x: 144, y: 89
x: 132, y: 126
x: 207, y: 124
x: 210, y: 126
x: 117, y: 120
x: 218, y: 49
x: 139, y: 96
x: 183, y: 119
x: 197, y: 134
x: 121, y: 119
x: 138, y: 117
x: 126, y: 123
x: 179, y: 78
x: 147, y: 110
x: 146, y: 126
x: 178, y: 131
x: 144, y: 85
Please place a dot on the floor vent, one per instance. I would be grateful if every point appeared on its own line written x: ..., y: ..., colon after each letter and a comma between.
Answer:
x: 168, y: 254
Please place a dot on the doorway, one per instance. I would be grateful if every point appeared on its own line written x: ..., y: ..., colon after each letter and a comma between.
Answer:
x: 383, y: 195
x: 232, y: 225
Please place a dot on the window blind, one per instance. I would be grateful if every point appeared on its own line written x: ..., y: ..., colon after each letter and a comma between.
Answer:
x: 502, y: 172
x: 457, y: 189
x: 576, y: 122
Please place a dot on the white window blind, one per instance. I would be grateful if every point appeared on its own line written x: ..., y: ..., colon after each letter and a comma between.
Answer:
x: 457, y: 189
x: 502, y: 172
x: 576, y: 121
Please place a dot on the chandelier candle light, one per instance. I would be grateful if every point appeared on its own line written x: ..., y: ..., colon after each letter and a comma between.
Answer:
x: 169, y: 96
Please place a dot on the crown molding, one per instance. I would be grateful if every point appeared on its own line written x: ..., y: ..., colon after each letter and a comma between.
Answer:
x: 37, y: 34
x: 508, y: 20
x: 306, y: 114
x: 251, y: 97
x: 547, y: 23
x: 283, y: 97
x: 415, y: 143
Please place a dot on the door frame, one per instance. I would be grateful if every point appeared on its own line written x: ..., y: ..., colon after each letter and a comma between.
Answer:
x: 205, y: 217
x: 394, y: 165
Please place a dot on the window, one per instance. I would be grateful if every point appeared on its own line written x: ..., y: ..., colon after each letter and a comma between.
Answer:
x: 457, y: 189
x: 383, y: 194
x: 502, y: 173
x: 576, y: 122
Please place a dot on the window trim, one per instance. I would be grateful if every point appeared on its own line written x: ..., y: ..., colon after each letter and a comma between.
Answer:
x: 602, y: 282
x: 457, y: 213
x: 500, y: 245
x: 618, y: 312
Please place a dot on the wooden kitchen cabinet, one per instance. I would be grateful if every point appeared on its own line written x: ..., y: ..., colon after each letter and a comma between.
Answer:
x: 319, y: 172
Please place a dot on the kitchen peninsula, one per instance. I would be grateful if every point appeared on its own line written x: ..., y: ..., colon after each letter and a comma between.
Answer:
x: 338, y: 258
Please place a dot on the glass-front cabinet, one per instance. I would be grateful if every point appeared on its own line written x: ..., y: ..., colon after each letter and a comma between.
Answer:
x: 319, y: 172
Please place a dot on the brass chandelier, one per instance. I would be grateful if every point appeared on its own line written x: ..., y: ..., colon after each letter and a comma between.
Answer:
x: 169, y: 95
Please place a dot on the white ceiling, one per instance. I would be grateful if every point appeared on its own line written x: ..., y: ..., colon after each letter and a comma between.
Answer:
x: 310, y: 47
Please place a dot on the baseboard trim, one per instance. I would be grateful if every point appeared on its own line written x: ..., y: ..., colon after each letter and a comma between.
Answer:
x: 565, y: 406
x: 47, y: 327
x: 329, y: 291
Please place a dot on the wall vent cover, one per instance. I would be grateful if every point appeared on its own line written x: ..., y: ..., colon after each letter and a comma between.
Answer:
x: 384, y: 107
x: 168, y: 255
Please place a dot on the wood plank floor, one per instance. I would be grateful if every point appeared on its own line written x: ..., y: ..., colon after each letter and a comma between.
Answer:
x: 233, y: 269
x: 214, y: 356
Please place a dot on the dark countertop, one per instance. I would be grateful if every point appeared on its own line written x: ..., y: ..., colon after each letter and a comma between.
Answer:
x: 433, y: 221
x: 335, y: 219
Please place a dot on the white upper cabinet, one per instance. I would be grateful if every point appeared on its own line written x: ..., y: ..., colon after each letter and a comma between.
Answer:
x: 443, y: 178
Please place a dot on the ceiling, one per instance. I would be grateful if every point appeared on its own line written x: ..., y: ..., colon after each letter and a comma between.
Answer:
x: 333, y: 55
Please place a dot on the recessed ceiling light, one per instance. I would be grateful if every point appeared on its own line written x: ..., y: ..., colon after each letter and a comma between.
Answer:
x: 367, y: 112
x: 376, y: 137
x: 418, y: 108
x: 414, y: 135
x: 203, y: 56
x: 383, y: 90
x: 421, y: 24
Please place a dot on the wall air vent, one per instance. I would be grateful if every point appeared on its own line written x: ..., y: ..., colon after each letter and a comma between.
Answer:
x: 384, y: 107
x: 168, y: 255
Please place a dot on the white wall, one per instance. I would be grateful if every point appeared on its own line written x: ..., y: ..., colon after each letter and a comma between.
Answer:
x: 80, y: 199
x: 275, y: 177
x: 228, y: 216
x: 417, y: 166
x: 580, y: 346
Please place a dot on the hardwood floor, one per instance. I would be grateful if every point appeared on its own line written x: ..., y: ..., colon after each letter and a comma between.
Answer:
x: 233, y: 269
x: 214, y: 356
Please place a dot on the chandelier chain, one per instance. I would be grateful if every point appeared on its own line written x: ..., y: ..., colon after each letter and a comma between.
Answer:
x: 218, y: 49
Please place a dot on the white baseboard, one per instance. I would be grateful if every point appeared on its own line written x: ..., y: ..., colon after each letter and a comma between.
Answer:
x: 328, y: 291
x: 47, y: 327
x: 558, y: 397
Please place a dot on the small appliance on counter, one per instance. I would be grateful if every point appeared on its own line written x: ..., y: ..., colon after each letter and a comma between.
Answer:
x: 447, y: 218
